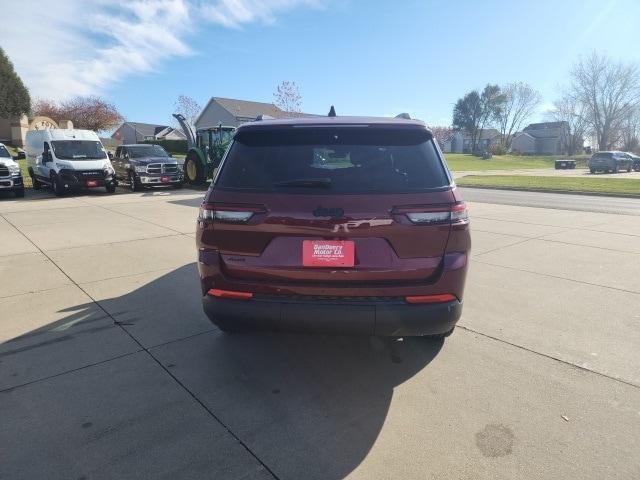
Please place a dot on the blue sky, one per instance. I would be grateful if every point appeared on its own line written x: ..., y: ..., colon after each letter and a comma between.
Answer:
x: 365, y: 57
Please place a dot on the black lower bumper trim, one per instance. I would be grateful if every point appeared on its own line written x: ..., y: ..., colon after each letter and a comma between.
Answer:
x: 375, y: 318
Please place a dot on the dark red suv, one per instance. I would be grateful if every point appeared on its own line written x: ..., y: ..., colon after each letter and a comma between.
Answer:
x: 334, y: 224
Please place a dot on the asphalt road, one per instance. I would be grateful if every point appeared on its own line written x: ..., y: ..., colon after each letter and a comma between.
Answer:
x: 559, y: 201
x: 110, y: 370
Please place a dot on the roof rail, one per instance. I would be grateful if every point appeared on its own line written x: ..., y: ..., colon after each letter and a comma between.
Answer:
x: 262, y: 116
x: 404, y: 115
x: 332, y: 112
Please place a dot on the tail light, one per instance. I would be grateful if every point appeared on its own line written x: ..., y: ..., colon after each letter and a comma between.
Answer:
x: 228, y: 213
x: 435, y: 214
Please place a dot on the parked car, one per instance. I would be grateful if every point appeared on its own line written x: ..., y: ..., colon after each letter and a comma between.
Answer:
x: 68, y: 160
x: 10, y: 175
x: 636, y: 162
x: 610, y: 162
x: 334, y: 224
x: 564, y: 164
x: 146, y: 165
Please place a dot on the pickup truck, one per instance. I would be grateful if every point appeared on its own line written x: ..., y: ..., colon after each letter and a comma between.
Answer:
x: 10, y: 175
x: 146, y: 165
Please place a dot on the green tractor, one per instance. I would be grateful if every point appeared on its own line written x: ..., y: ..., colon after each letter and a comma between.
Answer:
x: 206, y: 149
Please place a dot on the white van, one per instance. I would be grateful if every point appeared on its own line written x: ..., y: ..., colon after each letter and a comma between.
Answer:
x: 68, y: 159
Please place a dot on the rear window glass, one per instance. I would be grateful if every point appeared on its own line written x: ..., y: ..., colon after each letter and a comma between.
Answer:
x: 602, y: 155
x: 333, y: 160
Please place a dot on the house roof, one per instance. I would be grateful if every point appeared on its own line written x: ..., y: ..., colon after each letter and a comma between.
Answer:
x: 145, y: 129
x: 544, y: 126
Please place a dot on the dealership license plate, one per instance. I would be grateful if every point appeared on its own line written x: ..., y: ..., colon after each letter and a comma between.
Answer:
x: 92, y: 183
x: 165, y: 179
x: 328, y: 253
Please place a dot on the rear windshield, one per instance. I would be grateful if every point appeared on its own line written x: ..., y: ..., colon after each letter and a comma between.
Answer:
x: 333, y: 160
x: 603, y: 155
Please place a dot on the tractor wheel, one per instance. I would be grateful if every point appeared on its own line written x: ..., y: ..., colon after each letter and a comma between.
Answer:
x: 193, y: 170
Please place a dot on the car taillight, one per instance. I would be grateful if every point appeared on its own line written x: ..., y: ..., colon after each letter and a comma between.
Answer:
x: 435, y: 214
x: 228, y: 213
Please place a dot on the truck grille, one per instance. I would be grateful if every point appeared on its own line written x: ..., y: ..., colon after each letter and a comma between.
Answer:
x: 162, y: 168
x: 4, y: 171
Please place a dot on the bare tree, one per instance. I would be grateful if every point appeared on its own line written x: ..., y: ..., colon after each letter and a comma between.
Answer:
x: 91, y: 113
x: 630, y: 132
x: 573, y: 113
x: 288, y: 98
x: 188, y: 107
x: 521, y: 101
x: 441, y: 134
x: 609, y: 90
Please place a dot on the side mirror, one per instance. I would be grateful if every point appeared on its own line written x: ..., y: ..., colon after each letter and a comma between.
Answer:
x: 46, y: 157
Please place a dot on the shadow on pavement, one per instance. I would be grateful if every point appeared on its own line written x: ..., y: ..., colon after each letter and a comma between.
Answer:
x: 306, y: 406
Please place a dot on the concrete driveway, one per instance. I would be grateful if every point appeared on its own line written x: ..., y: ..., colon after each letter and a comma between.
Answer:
x: 109, y: 369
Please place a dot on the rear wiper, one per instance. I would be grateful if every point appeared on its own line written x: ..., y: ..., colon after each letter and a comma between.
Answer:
x: 305, y: 182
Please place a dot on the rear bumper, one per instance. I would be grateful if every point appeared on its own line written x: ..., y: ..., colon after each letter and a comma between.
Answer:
x: 358, y: 317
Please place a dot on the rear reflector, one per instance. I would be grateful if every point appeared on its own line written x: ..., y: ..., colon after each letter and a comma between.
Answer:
x: 440, y: 298
x: 216, y: 292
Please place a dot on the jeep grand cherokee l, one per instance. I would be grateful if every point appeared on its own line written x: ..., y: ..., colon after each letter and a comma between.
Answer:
x: 333, y: 224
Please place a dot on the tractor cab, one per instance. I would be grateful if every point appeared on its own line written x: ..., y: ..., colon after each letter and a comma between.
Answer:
x: 206, y: 148
x: 214, y: 141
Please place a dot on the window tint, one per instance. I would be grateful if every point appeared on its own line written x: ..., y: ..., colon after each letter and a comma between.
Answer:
x: 333, y: 160
x: 140, y: 151
x: 78, y: 150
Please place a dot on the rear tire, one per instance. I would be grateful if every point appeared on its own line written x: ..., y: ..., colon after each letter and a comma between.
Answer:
x: 111, y: 188
x: 592, y: 170
x: 193, y: 170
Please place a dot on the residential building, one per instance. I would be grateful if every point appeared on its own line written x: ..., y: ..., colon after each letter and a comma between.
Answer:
x: 136, y: 132
x: 546, y: 138
x: 233, y: 112
x: 460, y: 141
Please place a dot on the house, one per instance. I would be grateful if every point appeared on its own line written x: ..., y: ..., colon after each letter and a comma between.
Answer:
x: 460, y: 141
x: 233, y: 112
x: 546, y: 138
x: 136, y: 132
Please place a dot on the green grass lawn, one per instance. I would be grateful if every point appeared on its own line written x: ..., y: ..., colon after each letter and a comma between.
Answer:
x: 463, y: 162
x: 617, y: 186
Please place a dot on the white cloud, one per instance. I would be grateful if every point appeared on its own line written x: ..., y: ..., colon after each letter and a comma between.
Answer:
x: 234, y: 13
x: 81, y: 48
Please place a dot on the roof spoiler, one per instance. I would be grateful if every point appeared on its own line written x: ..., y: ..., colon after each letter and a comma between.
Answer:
x: 261, y: 117
x: 404, y: 115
